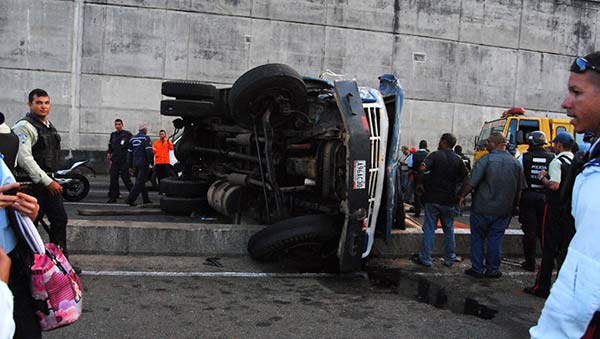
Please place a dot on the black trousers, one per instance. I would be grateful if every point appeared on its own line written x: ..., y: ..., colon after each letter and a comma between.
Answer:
x: 162, y: 171
x: 532, y: 214
x: 118, y: 169
x: 52, y: 206
x: 27, y: 324
x: 557, y: 232
x: 140, y: 185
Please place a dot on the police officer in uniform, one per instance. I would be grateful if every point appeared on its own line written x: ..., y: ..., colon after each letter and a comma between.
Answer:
x: 39, y: 154
x: 533, y: 199
x: 139, y: 157
x: 414, y: 163
x: 558, y: 225
x: 117, y: 154
x: 9, y: 144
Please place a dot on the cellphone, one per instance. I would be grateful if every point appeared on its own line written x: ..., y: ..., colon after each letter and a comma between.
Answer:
x: 12, y: 191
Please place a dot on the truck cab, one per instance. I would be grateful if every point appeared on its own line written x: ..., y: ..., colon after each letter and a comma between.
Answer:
x: 515, y: 124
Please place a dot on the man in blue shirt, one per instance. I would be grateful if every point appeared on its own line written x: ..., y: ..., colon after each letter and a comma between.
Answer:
x: 139, y: 157
x: 496, y: 180
x: 575, y: 295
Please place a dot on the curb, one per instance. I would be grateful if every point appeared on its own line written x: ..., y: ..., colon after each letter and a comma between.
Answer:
x: 407, y: 242
x: 114, y: 237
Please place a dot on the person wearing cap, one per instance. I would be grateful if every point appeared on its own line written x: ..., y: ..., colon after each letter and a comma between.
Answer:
x: 139, y: 158
x: 575, y: 295
x: 117, y: 156
x: 532, y: 208
x: 558, y: 228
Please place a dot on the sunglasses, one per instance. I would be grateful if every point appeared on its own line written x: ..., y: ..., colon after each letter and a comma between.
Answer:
x: 581, y: 64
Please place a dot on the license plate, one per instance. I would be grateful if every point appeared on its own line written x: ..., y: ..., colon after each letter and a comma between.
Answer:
x: 360, y: 174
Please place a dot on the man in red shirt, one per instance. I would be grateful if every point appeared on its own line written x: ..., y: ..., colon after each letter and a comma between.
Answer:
x: 162, y: 158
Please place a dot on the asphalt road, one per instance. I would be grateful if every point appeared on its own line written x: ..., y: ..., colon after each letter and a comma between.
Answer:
x: 386, y: 302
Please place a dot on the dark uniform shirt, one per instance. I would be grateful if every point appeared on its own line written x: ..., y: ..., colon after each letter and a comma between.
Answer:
x: 444, y: 171
x: 140, y: 151
x: 118, y: 144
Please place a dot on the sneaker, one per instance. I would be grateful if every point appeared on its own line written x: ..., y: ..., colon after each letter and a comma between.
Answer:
x: 417, y: 260
x: 474, y: 273
x: 533, y: 290
x: 111, y: 201
x: 130, y: 203
x: 529, y: 267
x: 493, y: 275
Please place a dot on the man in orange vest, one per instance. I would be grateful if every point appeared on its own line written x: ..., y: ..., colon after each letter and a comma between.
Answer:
x: 162, y: 158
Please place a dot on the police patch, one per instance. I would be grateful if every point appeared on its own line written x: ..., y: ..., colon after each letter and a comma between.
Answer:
x: 22, y: 138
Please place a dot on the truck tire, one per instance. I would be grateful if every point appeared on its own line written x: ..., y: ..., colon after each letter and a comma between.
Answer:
x: 290, y: 238
x: 189, y: 109
x: 258, y: 88
x: 189, y: 90
x: 174, y: 187
x: 183, y: 206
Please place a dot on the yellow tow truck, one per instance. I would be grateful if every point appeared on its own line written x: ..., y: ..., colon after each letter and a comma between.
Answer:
x: 516, y: 125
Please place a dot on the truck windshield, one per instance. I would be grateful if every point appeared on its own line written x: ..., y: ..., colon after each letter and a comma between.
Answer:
x: 487, y: 129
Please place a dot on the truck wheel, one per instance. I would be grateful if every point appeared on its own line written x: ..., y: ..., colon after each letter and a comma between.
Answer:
x: 183, y: 206
x: 308, y: 241
x: 263, y: 88
x: 189, y: 109
x: 175, y: 187
x: 189, y: 90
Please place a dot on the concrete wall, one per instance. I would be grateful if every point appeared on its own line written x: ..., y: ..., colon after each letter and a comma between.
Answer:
x: 461, y: 62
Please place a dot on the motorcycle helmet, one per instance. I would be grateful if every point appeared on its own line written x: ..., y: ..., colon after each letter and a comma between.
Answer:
x: 536, y: 138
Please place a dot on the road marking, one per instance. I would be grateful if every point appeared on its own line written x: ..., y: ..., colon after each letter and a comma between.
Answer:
x: 220, y: 274
x: 92, y: 204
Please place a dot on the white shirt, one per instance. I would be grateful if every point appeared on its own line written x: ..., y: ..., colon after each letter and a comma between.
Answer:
x: 554, y: 169
x: 575, y: 296
x: 7, y: 324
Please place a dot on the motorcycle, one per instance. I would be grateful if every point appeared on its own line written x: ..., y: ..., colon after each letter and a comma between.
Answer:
x: 76, y: 186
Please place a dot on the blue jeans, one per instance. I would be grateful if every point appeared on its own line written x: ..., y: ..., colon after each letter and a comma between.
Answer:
x: 491, y: 229
x: 446, y: 214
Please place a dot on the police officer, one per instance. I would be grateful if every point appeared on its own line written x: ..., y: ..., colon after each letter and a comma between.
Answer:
x: 558, y: 225
x: 533, y: 199
x: 414, y: 163
x: 39, y: 154
x: 139, y: 158
x: 117, y: 155
x: 465, y: 159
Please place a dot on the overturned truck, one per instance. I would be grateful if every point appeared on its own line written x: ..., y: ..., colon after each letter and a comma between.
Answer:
x: 314, y: 160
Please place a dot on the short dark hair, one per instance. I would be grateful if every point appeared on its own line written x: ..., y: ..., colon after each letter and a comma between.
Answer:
x: 497, y: 138
x: 594, y: 59
x: 119, y: 120
x: 423, y: 144
x: 162, y: 130
x: 37, y: 92
x: 567, y: 145
x: 449, y: 139
x: 458, y: 149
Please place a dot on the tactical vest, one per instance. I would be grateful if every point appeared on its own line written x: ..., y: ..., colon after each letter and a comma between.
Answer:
x: 418, y: 158
x: 9, y: 146
x: 533, y: 163
x: 46, y: 151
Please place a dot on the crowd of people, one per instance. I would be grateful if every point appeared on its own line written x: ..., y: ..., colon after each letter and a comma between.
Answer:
x: 553, y: 195
x: 552, y: 190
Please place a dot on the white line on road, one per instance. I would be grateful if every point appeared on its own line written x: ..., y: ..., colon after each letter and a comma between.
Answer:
x: 92, y: 204
x: 219, y: 274
x: 448, y: 274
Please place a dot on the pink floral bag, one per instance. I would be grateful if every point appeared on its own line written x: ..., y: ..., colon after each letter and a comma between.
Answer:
x: 55, y: 287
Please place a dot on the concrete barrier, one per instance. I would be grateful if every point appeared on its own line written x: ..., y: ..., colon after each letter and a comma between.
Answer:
x: 196, y: 239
